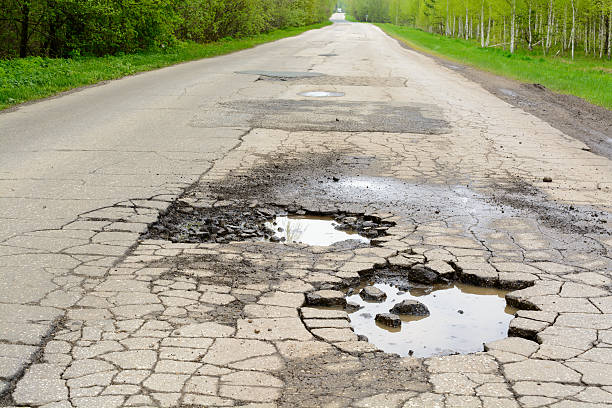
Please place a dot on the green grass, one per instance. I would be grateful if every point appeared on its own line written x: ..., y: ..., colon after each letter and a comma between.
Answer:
x: 587, y: 78
x: 31, y: 78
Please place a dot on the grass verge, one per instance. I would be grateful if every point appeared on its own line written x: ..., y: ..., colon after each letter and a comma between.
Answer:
x: 587, y: 78
x: 31, y: 78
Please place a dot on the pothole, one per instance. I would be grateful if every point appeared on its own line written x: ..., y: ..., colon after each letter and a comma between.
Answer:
x: 427, y: 320
x: 321, y: 94
x: 225, y: 222
x: 312, y: 230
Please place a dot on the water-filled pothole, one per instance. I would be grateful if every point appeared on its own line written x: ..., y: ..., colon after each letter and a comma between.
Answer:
x: 321, y: 94
x: 312, y: 230
x: 238, y: 221
x: 461, y: 318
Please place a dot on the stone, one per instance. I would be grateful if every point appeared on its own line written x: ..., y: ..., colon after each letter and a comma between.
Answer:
x: 326, y: 298
x: 372, y: 293
x: 422, y: 274
x: 388, y: 319
x: 410, y: 307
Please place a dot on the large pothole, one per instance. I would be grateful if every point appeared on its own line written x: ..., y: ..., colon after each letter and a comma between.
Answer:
x: 237, y: 221
x: 418, y: 320
x: 421, y: 308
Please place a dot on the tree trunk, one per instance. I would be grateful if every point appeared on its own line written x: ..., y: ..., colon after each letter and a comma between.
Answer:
x: 504, y: 34
x: 466, y: 22
x: 512, y: 27
x: 573, y: 34
x: 482, y: 34
x: 529, y: 27
x: 601, y: 34
x: 610, y: 33
x: 25, y: 30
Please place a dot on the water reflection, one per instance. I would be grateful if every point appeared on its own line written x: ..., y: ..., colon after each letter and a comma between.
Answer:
x: 462, y: 318
x: 311, y: 230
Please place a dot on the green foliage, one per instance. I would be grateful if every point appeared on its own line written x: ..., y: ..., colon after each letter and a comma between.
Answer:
x: 557, y: 27
x: 66, y: 28
x: 24, y: 79
x: 584, y: 77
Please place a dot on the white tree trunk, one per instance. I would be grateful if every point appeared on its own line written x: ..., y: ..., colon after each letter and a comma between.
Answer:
x: 512, y: 27
x: 573, y: 34
x: 610, y: 33
x: 482, y: 34
x: 467, y: 27
x: 602, y: 34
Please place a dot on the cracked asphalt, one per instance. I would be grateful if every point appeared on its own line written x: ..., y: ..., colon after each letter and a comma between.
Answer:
x: 95, y: 314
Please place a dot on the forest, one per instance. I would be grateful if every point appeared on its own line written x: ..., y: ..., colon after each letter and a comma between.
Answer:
x: 548, y: 27
x: 69, y: 28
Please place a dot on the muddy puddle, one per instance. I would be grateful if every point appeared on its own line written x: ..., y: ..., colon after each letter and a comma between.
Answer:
x: 311, y: 230
x: 461, y: 318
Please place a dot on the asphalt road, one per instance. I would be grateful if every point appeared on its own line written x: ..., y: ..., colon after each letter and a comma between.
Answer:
x: 84, y: 174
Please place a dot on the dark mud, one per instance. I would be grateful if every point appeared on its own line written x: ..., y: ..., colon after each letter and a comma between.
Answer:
x: 569, y: 219
x: 570, y: 114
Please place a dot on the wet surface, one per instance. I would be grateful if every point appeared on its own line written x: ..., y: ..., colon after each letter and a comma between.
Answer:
x: 311, y: 230
x: 321, y: 94
x: 462, y: 318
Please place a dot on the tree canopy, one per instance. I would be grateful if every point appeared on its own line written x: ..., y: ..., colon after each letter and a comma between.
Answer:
x: 60, y: 28
x: 550, y: 26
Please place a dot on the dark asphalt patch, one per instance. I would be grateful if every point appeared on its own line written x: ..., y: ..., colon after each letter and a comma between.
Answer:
x: 325, y: 116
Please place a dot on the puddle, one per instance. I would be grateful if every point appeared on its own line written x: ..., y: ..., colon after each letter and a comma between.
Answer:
x: 311, y: 230
x: 462, y: 318
x: 321, y: 94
